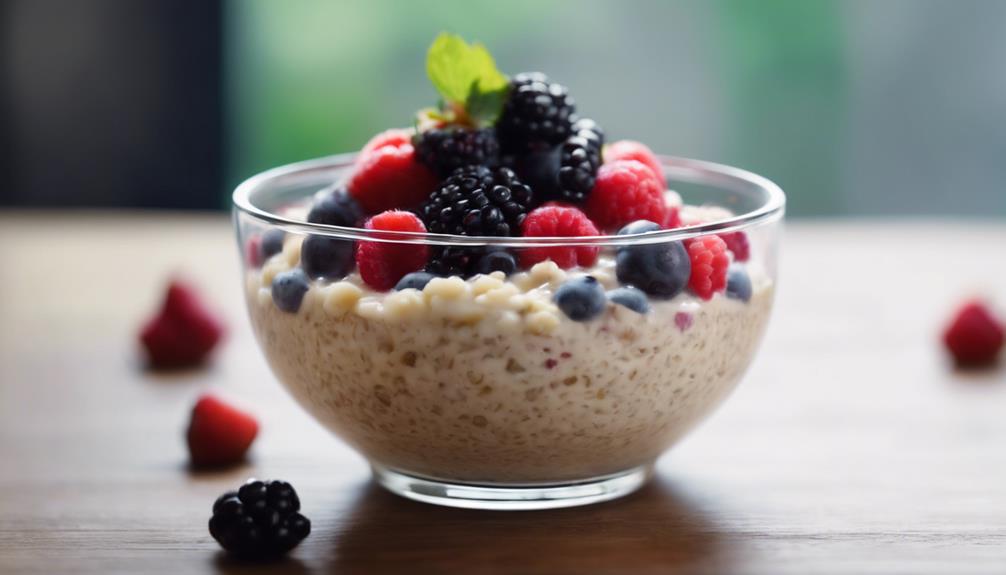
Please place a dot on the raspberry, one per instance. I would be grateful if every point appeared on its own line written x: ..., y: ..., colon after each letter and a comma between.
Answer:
x: 558, y: 221
x: 626, y: 191
x: 184, y: 332
x: 975, y: 335
x: 708, y: 255
x: 737, y: 242
x: 631, y: 150
x: 445, y: 150
x: 382, y: 264
x: 218, y: 433
x: 394, y: 137
x: 673, y: 219
x: 390, y: 178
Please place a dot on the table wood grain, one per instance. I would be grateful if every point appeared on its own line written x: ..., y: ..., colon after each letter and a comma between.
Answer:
x: 853, y: 446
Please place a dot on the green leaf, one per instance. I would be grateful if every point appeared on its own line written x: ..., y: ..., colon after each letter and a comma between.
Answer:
x: 485, y: 107
x: 466, y: 75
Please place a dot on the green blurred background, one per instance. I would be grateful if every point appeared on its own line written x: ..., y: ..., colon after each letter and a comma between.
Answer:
x: 855, y: 107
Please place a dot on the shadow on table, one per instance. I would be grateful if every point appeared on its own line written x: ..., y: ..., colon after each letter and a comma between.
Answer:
x: 654, y: 529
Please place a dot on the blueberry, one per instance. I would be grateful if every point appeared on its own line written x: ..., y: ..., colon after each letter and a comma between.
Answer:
x: 288, y: 289
x: 272, y: 243
x: 335, y: 208
x: 738, y: 284
x: 581, y: 298
x: 661, y: 270
x: 496, y: 260
x: 325, y: 257
x: 414, y: 280
x: 638, y: 227
x: 631, y: 298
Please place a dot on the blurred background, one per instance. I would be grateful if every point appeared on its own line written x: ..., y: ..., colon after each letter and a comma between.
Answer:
x: 855, y: 107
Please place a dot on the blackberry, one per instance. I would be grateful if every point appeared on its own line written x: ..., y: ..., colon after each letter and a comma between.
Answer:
x: 473, y: 201
x: 445, y: 150
x: 535, y: 111
x: 579, y: 158
x: 259, y: 520
x: 477, y: 201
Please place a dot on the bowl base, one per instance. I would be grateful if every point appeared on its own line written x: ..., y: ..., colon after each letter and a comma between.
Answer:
x: 512, y: 497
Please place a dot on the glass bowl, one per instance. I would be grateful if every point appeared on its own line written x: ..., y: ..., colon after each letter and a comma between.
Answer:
x: 482, y: 392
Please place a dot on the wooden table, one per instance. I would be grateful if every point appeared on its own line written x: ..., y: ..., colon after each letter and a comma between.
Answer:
x: 852, y: 446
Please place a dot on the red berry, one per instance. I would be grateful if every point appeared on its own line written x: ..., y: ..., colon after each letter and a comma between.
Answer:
x: 710, y: 261
x: 382, y: 264
x: 388, y: 178
x: 184, y: 332
x: 394, y: 137
x: 975, y: 335
x: 737, y: 242
x: 631, y: 150
x: 253, y: 252
x: 673, y: 219
x: 558, y: 221
x: 626, y: 191
x: 218, y: 433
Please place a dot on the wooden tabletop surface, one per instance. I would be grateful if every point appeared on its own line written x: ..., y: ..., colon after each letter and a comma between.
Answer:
x: 852, y: 446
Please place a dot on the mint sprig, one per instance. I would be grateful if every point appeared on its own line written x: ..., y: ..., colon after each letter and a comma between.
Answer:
x: 467, y: 79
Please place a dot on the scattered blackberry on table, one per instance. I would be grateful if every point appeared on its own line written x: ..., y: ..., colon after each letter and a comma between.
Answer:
x: 581, y: 299
x: 335, y: 207
x: 446, y: 149
x: 260, y: 520
x: 536, y: 110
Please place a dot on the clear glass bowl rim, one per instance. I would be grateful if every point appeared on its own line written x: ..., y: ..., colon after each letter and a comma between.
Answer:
x: 677, y: 168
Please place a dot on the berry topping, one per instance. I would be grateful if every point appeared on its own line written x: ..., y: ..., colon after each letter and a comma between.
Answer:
x: 673, y: 219
x: 259, y: 521
x: 335, y: 207
x: 661, y: 270
x: 218, y: 433
x: 446, y: 149
x: 477, y: 201
x: 253, y: 250
x: 710, y: 261
x: 414, y: 280
x: 288, y: 289
x: 184, y: 331
x: 737, y: 242
x: 626, y: 191
x: 631, y: 298
x: 579, y: 158
x: 272, y: 243
x: 323, y: 257
x: 581, y: 299
x: 536, y: 111
x: 975, y: 335
x: 453, y: 261
x: 383, y: 264
x: 631, y: 150
x: 394, y: 138
x: 390, y: 178
x: 556, y: 221
x: 738, y: 283
x: 497, y: 260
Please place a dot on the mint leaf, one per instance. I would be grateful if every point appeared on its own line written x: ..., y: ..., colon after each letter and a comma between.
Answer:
x: 466, y: 75
x: 485, y: 107
x: 448, y: 67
